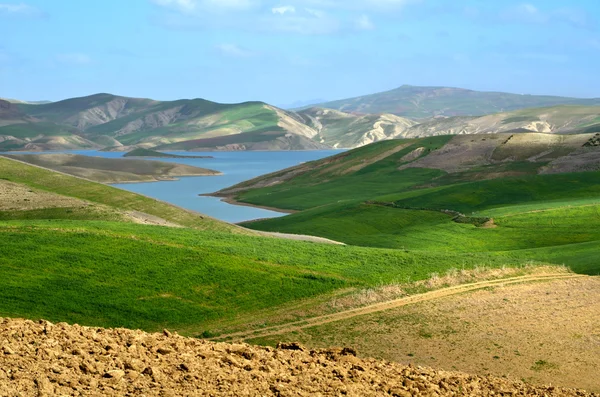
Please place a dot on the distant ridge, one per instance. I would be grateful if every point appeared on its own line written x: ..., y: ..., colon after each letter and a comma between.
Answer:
x: 111, y: 122
x: 425, y: 102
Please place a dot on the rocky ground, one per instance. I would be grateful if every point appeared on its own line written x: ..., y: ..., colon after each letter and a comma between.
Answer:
x: 40, y: 358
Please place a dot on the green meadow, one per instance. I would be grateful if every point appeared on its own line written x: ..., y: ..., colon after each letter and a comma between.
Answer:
x: 85, y: 265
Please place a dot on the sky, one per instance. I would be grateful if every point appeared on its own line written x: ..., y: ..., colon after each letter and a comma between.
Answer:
x: 288, y: 52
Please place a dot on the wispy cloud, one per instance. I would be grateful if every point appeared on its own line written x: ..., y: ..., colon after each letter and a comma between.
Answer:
x: 530, y: 13
x: 198, y: 6
x: 185, y: 6
x: 20, y: 9
x: 283, y: 9
x: 364, y: 23
x: 305, y: 21
x: 234, y: 51
x: 306, y: 17
x: 74, y: 58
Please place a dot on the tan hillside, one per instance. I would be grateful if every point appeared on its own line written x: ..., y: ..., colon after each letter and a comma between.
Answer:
x: 40, y: 358
x: 558, y: 119
x: 563, y: 152
x: 339, y: 129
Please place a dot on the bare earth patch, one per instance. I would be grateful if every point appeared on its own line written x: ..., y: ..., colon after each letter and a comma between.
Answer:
x: 58, y: 359
x: 541, y: 332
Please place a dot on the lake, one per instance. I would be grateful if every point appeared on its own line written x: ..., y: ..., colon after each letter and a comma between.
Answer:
x: 235, y: 166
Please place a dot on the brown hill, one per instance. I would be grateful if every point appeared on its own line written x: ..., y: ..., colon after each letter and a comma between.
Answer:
x: 59, y: 359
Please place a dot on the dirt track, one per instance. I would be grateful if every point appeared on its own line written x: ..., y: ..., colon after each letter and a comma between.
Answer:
x: 344, y: 315
x: 47, y: 359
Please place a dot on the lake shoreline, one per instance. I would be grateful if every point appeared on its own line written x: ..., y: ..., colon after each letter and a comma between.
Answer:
x: 232, y: 201
x: 173, y: 179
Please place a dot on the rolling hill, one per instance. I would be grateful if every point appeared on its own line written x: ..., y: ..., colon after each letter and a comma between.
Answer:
x: 447, y: 193
x: 121, y: 123
x: 82, y: 252
x: 425, y: 102
x: 110, y: 122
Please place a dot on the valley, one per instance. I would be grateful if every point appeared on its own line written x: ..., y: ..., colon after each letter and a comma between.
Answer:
x: 179, y: 218
x: 419, y: 217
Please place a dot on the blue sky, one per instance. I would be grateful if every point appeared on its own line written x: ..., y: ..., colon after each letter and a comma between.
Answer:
x: 283, y: 51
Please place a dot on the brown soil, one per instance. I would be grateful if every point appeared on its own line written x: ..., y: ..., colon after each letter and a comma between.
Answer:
x: 542, y: 332
x: 47, y: 359
x: 391, y: 304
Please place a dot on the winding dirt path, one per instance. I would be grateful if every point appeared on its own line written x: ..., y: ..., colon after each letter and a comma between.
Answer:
x: 392, y: 304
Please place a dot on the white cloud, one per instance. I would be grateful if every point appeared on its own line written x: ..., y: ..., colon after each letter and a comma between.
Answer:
x: 198, y: 6
x: 74, y: 58
x: 315, y: 13
x: 283, y: 9
x: 525, y: 12
x: 19, y: 9
x: 309, y: 17
x: 307, y: 21
x: 528, y: 9
x: 233, y: 50
x: 529, y: 13
x: 364, y: 23
x: 180, y: 5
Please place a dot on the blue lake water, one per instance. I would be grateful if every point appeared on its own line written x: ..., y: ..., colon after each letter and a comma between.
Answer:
x: 235, y: 166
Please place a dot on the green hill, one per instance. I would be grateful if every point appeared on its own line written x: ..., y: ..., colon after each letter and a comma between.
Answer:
x: 72, y: 250
x: 500, y: 192
x: 55, y: 183
x: 425, y: 102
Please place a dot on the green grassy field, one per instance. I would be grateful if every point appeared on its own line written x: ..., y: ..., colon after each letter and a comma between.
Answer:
x: 380, y: 205
x: 114, y: 274
x: 328, y: 184
x: 79, y: 266
x: 387, y: 227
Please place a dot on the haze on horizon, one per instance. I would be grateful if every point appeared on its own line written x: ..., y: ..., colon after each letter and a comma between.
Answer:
x: 289, y: 51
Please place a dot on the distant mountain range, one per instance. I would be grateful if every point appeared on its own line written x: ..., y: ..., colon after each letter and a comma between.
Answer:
x: 426, y: 102
x: 110, y: 122
x: 120, y: 123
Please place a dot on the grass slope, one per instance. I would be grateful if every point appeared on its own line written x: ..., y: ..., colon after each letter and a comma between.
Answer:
x: 113, y: 274
x: 359, y: 201
x: 330, y: 180
x: 67, y: 185
x: 205, y: 277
